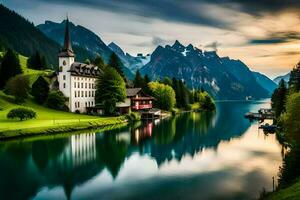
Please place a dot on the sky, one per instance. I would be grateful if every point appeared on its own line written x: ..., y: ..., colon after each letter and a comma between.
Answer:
x: 264, y: 34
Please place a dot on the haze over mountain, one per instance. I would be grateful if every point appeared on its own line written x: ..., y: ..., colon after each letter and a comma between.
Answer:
x: 224, y: 78
x: 285, y: 77
x: 265, y: 82
x: 134, y: 63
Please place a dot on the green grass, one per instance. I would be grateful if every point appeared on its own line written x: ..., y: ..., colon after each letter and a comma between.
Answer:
x: 47, y: 121
x: 290, y: 193
x: 31, y: 73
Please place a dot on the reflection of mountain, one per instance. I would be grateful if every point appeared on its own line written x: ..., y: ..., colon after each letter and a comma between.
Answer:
x: 72, y: 161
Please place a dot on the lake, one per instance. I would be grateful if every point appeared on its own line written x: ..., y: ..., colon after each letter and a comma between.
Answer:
x: 191, y: 156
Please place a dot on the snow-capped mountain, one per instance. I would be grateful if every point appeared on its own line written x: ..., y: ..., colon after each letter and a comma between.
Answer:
x: 224, y: 78
x: 133, y: 63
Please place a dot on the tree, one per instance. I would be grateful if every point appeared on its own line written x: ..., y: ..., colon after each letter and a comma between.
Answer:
x: 56, y: 100
x: 110, y: 89
x: 206, y: 102
x: 167, y: 81
x: 40, y: 90
x: 138, y: 81
x: 164, y: 95
x: 291, y: 118
x: 10, y: 67
x: 98, y: 61
x: 87, y: 61
x: 18, y: 86
x: 279, y: 98
x: 145, y: 88
x: 36, y: 61
x: 116, y: 63
x: 21, y: 113
x: 294, y: 82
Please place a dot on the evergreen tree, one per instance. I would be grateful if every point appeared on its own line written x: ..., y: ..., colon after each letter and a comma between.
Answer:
x: 167, y: 81
x: 10, y: 67
x: 294, y: 82
x: 36, y: 61
x: 116, y: 63
x: 184, y: 95
x: 87, y: 61
x: 279, y: 99
x: 111, y: 89
x: 146, y: 89
x: 138, y: 81
x: 40, y: 90
x: 98, y: 61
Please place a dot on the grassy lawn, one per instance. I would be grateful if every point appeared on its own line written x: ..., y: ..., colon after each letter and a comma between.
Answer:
x: 290, y: 193
x: 47, y: 120
x: 31, y: 73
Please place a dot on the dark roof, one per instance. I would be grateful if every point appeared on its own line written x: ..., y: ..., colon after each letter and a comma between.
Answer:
x: 131, y: 92
x: 67, y: 50
x: 81, y: 69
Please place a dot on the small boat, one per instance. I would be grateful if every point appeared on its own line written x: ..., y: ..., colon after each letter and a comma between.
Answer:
x: 268, y: 128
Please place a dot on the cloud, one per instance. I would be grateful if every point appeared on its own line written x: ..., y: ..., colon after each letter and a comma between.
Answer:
x: 214, y: 46
x: 276, y: 38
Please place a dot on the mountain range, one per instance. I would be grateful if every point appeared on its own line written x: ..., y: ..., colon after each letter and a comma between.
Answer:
x: 224, y: 78
x: 86, y: 44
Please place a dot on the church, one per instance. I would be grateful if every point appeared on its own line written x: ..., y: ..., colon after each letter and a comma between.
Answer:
x: 77, y: 81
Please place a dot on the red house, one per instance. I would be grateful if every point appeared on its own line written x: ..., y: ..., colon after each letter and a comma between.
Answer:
x: 138, y: 100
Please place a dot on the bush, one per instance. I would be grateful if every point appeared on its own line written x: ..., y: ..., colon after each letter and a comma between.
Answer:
x: 21, y: 113
x: 206, y: 102
x: 18, y: 86
x: 133, y: 117
x: 56, y: 100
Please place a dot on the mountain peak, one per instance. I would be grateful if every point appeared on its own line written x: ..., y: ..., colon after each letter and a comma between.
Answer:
x: 177, y: 45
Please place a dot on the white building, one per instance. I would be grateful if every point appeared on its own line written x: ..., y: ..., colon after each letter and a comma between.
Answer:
x: 77, y: 81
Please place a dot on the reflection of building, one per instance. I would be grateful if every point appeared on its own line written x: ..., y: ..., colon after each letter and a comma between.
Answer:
x: 83, y: 148
x: 143, y: 132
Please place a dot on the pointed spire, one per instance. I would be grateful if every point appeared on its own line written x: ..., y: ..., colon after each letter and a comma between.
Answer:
x: 67, y: 42
x: 67, y: 50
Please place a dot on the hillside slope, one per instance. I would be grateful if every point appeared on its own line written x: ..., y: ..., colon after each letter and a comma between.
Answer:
x: 22, y: 36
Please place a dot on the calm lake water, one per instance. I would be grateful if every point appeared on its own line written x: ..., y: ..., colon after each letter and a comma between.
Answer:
x: 190, y: 156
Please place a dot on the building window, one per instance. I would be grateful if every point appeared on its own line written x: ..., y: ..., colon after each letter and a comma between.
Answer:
x: 85, y: 104
x: 64, y: 63
x: 78, y: 85
x: 78, y: 104
x: 89, y: 93
x: 85, y: 93
x: 75, y: 93
x: 81, y: 85
x: 64, y: 77
x: 89, y: 86
x: 85, y: 85
x: 74, y: 84
x: 64, y: 85
x: 60, y: 69
x: 81, y: 93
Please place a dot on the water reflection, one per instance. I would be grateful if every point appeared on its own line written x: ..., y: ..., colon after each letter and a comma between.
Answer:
x: 178, y: 157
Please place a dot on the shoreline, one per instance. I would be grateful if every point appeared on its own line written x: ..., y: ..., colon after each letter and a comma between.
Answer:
x: 46, y: 131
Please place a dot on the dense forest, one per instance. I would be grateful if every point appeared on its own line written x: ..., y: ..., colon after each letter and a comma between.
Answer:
x: 22, y: 36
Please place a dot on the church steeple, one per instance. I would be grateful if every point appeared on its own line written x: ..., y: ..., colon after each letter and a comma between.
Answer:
x: 67, y: 50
